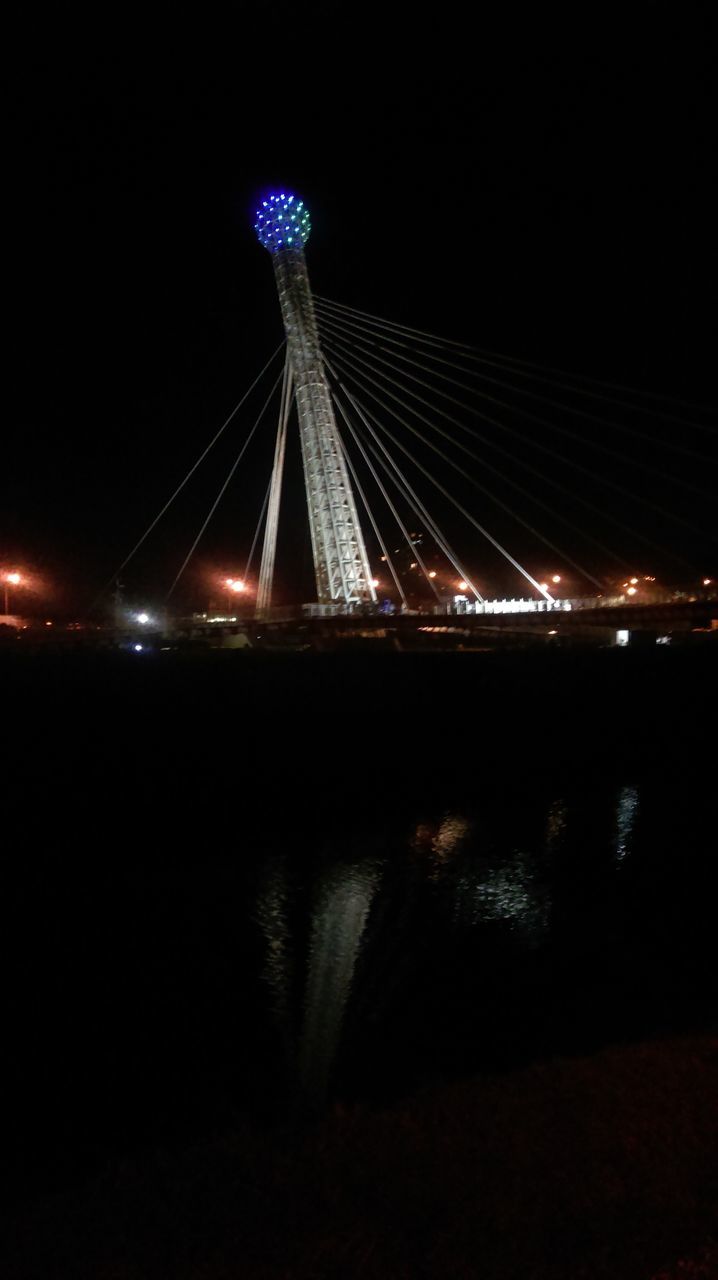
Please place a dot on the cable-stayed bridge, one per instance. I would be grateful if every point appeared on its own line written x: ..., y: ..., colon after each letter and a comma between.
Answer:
x: 426, y: 462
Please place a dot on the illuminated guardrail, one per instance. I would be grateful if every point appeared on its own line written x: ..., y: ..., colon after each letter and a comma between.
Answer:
x: 462, y: 604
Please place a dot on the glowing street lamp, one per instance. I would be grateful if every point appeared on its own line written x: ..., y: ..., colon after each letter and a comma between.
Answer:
x: 234, y: 587
x: 375, y: 582
x: 556, y: 577
x: 463, y: 586
x: 11, y: 580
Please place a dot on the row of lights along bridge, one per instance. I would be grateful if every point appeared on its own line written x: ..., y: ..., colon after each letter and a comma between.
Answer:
x: 238, y: 590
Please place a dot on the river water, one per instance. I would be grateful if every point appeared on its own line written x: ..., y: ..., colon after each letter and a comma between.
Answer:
x: 218, y: 924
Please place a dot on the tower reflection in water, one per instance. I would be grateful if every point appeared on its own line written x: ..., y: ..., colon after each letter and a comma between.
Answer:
x: 342, y: 896
x: 451, y: 903
x: 339, y: 920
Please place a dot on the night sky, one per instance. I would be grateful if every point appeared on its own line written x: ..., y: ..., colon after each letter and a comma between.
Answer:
x: 540, y: 188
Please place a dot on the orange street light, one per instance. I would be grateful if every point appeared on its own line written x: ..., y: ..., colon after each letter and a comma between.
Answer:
x: 556, y: 577
x: 234, y: 587
x: 11, y: 580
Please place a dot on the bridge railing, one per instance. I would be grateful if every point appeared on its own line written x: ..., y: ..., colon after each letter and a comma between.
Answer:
x: 462, y: 605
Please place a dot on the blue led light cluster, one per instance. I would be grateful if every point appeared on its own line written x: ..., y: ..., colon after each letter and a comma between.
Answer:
x: 282, y: 221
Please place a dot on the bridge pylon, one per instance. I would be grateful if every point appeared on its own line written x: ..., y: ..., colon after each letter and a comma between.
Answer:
x: 341, y: 566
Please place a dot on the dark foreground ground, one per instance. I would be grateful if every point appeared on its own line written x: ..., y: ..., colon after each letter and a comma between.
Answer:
x: 598, y: 1168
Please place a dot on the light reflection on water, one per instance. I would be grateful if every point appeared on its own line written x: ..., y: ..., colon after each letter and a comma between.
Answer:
x: 626, y: 814
x: 458, y: 874
x: 509, y: 894
x: 272, y: 914
x: 439, y: 841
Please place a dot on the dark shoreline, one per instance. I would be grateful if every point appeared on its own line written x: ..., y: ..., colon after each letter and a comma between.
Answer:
x: 602, y: 1167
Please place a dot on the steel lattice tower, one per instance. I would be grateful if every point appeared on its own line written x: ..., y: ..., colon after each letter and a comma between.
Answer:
x: 341, y: 566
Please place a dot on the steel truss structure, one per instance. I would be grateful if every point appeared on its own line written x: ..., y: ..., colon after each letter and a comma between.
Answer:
x: 341, y: 565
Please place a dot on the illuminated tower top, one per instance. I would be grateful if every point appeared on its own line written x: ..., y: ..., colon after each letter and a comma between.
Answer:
x: 281, y: 221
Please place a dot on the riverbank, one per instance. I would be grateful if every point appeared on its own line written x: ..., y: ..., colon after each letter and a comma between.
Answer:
x: 596, y: 1168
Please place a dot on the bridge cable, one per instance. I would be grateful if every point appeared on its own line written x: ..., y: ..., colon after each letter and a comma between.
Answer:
x: 271, y: 529
x: 182, y: 484
x: 220, y: 495
x: 514, y: 484
x: 390, y: 504
x: 662, y: 549
x: 526, y: 413
x: 500, y: 363
x: 477, y: 485
x: 490, y: 538
x: 601, y: 479
x: 409, y: 495
x: 365, y: 500
x: 378, y: 338
x: 394, y: 473
x: 472, y: 431
x: 256, y: 531
x: 404, y: 531
x: 584, y: 572
x: 494, y: 358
